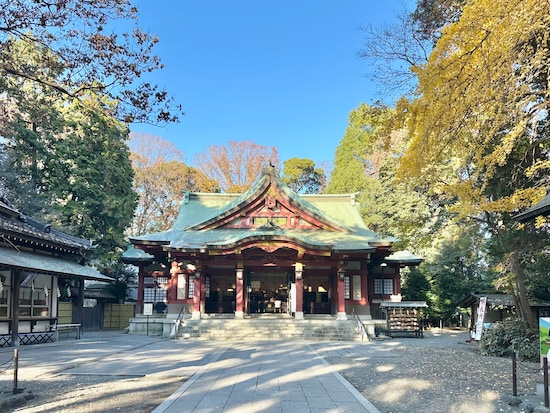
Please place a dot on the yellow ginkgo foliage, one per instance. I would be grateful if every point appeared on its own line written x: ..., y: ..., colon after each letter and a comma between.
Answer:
x: 482, y: 105
x: 479, y: 123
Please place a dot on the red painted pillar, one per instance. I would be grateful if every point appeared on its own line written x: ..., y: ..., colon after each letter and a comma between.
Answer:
x: 239, y: 313
x: 196, y: 277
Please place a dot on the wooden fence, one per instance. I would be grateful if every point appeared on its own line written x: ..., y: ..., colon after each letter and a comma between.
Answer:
x: 117, y: 316
x: 65, y: 312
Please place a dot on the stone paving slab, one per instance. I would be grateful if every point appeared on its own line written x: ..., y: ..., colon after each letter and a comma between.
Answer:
x: 278, y: 377
x: 222, y: 376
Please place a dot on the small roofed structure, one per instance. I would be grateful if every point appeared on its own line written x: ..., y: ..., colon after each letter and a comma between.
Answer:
x: 540, y: 208
x: 500, y: 306
x: 404, y: 317
x: 403, y: 258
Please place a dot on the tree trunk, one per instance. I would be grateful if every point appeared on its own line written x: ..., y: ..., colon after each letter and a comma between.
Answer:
x: 524, y: 309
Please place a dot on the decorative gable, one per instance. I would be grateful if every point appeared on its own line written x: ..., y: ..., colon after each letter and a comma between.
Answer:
x: 270, y: 204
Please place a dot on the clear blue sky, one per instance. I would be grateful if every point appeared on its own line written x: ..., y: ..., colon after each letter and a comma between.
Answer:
x: 279, y: 73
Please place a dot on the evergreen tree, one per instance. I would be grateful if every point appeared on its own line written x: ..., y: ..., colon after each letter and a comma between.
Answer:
x: 351, y: 166
x: 303, y: 177
x: 69, y: 156
x: 90, y: 179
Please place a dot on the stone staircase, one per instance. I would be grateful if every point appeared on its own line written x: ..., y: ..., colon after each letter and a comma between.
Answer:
x: 278, y: 327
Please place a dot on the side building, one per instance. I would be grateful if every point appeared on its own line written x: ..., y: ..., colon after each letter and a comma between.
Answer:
x: 39, y: 268
x: 268, y: 250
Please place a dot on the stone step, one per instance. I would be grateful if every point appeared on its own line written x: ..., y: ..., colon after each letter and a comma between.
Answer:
x: 272, y: 329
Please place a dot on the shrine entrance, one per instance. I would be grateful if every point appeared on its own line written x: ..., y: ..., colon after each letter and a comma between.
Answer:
x: 267, y: 292
x: 317, y: 294
x: 220, y: 293
x: 267, y: 250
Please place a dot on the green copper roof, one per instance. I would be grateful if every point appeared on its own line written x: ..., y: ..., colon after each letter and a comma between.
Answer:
x: 339, y: 213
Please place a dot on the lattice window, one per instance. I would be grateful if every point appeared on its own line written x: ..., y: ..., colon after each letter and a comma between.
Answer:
x: 154, y: 295
x: 191, y: 290
x: 352, y: 287
x: 383, y: 286
x: 149, y: 295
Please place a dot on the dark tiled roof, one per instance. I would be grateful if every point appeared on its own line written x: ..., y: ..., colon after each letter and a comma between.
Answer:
x: 33, y: 245
x: 26, y: 260
x: 497, y: 300
x: 16, y: 224
x: 540, y: 208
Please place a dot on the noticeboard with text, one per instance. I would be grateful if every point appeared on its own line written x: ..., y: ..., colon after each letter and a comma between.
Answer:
x: 148, y: 309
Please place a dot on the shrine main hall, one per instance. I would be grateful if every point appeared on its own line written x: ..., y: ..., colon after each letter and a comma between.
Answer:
x: 267, y: 250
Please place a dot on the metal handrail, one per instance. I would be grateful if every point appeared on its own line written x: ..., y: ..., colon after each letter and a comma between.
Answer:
x: 360, y: 325
x: 177, y: 322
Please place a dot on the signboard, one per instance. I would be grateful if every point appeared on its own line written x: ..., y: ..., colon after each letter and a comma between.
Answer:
x: 480, y: 317
x: 293, y: 298
x: 148, y: 309
x: 544, y: 332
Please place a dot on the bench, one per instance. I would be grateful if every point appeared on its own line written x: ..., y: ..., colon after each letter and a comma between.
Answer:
x: 67, y: 328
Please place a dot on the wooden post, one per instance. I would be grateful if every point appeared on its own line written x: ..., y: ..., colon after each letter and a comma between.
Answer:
x: 545, y: 375
x: 16, y: 279
x: 514, y: 375
x: 299, y: 314
x: 15, y: 369
x: 239, y: 294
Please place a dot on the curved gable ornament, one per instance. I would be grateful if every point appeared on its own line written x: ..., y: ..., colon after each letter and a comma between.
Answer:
x: 270, y: 244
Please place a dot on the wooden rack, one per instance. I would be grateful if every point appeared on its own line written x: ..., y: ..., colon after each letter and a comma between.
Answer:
x: 403, y: 317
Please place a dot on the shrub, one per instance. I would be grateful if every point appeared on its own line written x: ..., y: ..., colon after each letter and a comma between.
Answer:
x: 511, y: 335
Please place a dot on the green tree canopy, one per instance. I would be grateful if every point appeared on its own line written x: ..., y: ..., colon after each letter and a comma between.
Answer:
x: 70, y: 155
x: 357, y: 155
x: 303, y: 177
x: 89, y: 179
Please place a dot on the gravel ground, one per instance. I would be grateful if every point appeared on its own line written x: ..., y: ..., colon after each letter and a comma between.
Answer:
x: 439, y: 373
x: 56, y: 386
x: 94, y: 394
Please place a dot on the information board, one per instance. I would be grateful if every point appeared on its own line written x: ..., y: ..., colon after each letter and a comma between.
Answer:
x: 148, y: 309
